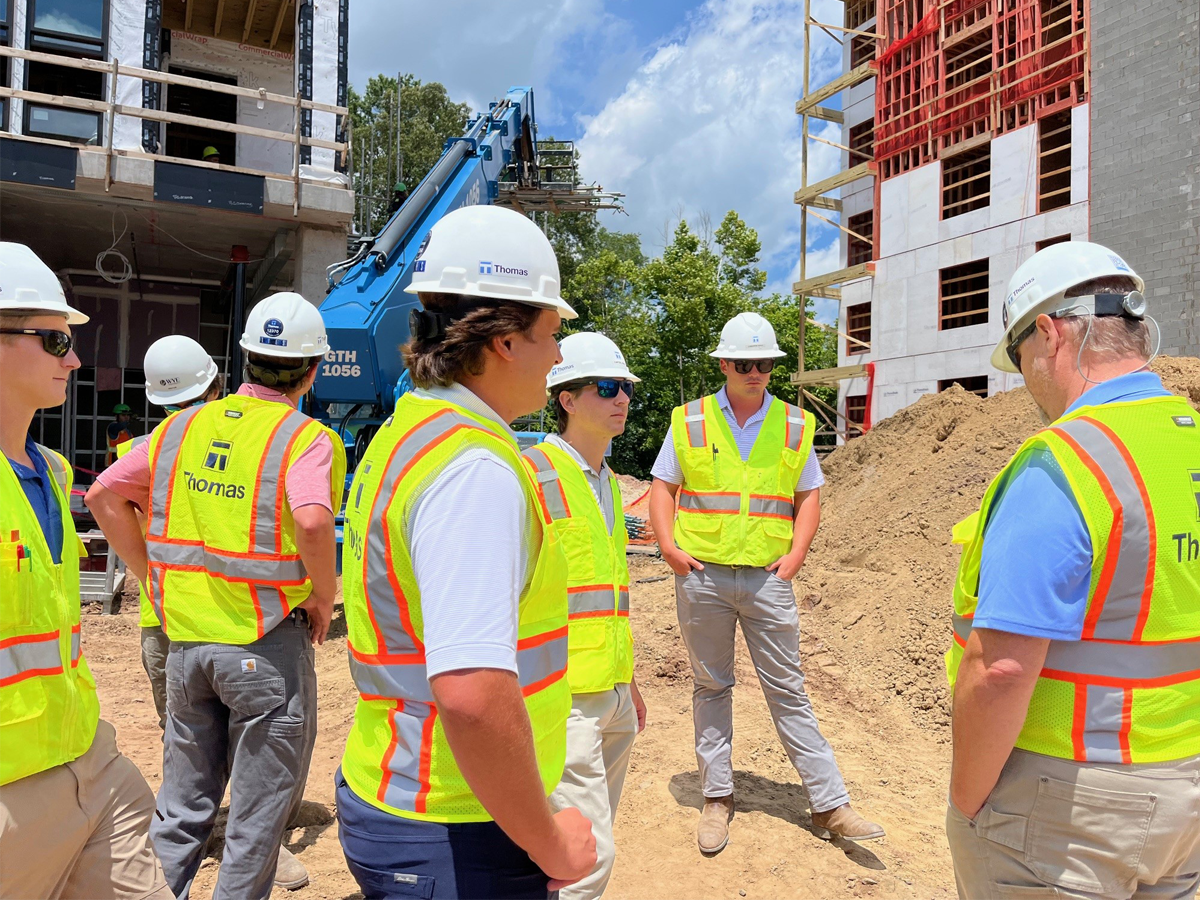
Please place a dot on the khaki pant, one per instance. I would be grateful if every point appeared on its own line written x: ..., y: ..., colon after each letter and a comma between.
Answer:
x: 600, y: 734
x: 80, y: 830
x: 1057, y: 828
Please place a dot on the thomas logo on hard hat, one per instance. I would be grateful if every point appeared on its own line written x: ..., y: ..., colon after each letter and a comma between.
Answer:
x: 273, y: 327
x: 487, y: 267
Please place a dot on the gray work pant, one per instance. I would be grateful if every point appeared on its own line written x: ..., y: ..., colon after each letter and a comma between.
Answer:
x: 710, y: 604
x: 1057, y: 828
x: 243, y: 716
x: 155, y: 645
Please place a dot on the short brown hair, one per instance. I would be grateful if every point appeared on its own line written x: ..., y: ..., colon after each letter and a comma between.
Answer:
x: 460, y: 350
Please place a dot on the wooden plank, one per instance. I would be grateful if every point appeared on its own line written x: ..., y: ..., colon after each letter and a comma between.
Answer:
x: 969, y: 144
x: 158, y: 115
x: 839, y: 276
x: 839, y: 84
x: 249, y: 20
x: 828, y: 376
x: 90, y: 65
x: 833, y: 182
x: 283, y: 8
x: 824, y: 112
x: 833, y: 204
x: 190, y: 6
x: 55, y: 100
x: 220, y: 16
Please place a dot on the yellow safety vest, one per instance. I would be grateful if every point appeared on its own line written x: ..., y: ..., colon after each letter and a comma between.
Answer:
x: 147, y: 617
x: 601, y: 644
x: 1129, y: 690
x: 397, y: 757
x: 48, y: 705
x: 732, y: 512
x: 224, y: 567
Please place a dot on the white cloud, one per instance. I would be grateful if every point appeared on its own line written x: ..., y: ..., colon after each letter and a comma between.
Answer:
x: 479, y: 50
x: 708, y: 124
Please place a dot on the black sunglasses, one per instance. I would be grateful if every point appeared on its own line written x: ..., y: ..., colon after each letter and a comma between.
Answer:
x: 743, y: 366
x: 56, y: 343
x: 607, y: 387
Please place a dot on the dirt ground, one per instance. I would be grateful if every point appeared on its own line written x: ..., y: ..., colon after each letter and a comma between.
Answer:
x: 874, y: 611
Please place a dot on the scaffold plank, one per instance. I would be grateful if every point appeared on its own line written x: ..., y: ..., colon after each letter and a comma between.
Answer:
x: 833, y: 204
x: 806, y: 194
x: 818, y: 282
x: 828, y: 376
x: 839, y: 84
x: 823, y: 112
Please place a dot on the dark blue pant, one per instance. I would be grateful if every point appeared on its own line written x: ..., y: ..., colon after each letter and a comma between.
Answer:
x: 393, y: 857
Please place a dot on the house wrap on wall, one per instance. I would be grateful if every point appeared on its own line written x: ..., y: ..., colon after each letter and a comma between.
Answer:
x: 110, y: 111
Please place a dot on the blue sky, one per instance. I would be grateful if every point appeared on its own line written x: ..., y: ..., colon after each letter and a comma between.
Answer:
x: 687, y: 107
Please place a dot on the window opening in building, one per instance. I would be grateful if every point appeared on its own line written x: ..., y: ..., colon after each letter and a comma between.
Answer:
x: 860, y: 244
x: 190, y: 141
x: 859, y: 12
x: 858, y: 328
x: 856, y: 414
x: 1054, y: 161
x: 966, y: 181
x: 862, y: 49
x: 964, y: 295
x: 862, y: 142
x: 1059, y: 239
x: 975, y: 384
x: 56, y: 121
x: 71, y: 28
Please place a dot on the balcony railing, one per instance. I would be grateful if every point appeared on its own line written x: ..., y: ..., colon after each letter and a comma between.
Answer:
x: 111, y: 109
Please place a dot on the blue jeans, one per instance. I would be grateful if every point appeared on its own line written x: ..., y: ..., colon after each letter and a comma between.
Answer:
x: 393, y: 857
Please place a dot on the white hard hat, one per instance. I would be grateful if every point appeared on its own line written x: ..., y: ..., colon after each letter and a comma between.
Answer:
x: 490, y: 251
x: 285, y: 326
x: 26, y: 283
x: 589, y: 355
x: 748, y: 336
x: 1041, y: 283
x: 178, y: 370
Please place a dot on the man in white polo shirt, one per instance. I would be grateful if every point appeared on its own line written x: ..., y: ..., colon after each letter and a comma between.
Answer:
x: 748, y: 483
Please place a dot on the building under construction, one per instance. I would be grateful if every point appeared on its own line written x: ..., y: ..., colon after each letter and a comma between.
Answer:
x: 972, y: 133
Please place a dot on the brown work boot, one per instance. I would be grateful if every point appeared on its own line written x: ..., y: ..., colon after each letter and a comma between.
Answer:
x: 712, y: 834
x: 290, y: 874
x: 845, y: 822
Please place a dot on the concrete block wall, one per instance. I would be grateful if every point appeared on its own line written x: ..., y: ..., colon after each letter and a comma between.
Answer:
x: 1145, y: 153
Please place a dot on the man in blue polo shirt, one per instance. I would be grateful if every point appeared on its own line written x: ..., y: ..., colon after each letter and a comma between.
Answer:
x: 1075, y: 674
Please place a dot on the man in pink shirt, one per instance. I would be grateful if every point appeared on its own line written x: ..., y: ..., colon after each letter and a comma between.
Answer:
x: 241, y: 708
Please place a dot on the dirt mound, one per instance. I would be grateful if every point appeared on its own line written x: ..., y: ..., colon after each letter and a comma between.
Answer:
x: 632, y: 489
x: 882, y: 564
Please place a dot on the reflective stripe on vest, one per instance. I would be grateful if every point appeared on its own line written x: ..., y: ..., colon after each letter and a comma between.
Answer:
x: 1111, y: 674
x: 29, y: 655
x: 693, y: 416
x: 1119, y: 608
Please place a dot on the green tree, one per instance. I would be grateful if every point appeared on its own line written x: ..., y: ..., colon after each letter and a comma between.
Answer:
x: 427, y: 118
